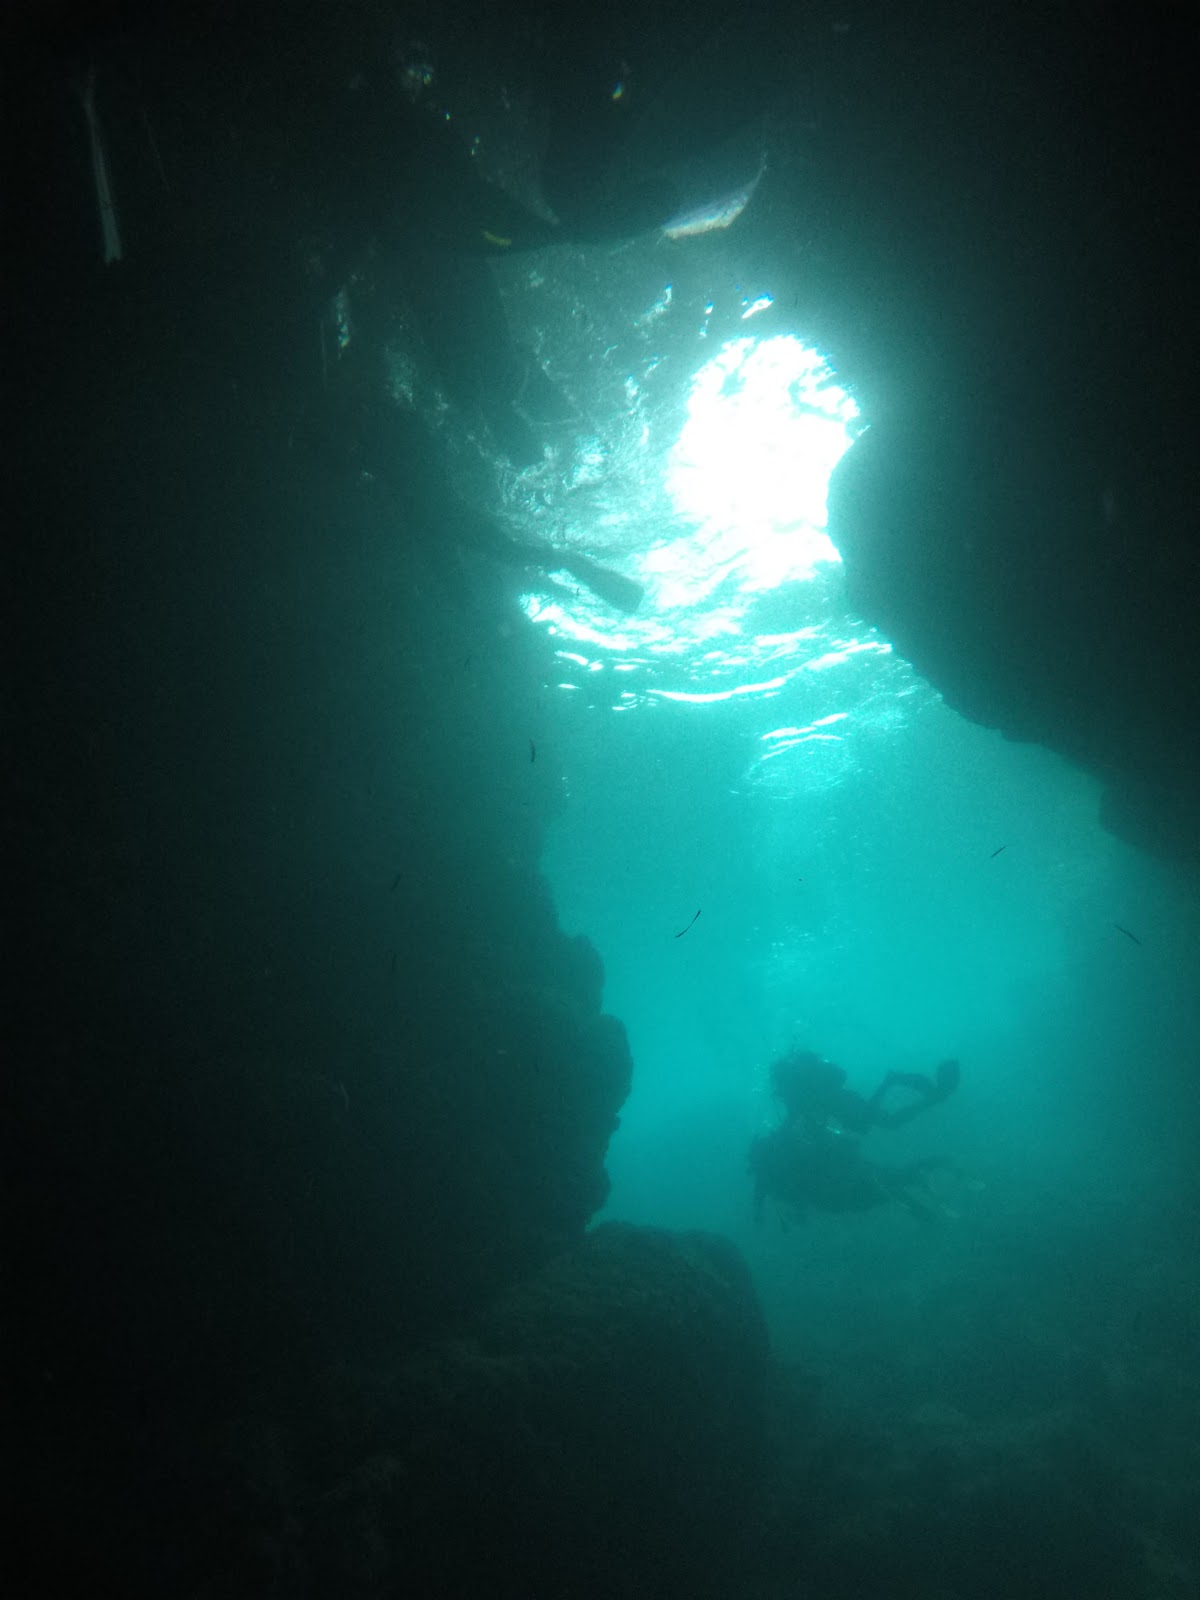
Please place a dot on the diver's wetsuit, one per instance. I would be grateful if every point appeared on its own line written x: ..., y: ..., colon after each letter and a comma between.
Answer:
x: 799, y: 1167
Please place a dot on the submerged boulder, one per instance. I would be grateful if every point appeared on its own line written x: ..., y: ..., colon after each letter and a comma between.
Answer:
x: 601, y: 1430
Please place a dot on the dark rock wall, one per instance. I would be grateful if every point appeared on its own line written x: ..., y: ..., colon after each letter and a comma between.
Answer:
x: 300, y: 1066
x: 1010, y: 204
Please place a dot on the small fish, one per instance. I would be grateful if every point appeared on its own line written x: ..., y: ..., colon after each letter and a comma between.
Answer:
x: 395, y: 883
x: 532, y: 751
x: 682, y: 931
x: 1127, y: 933
x: 996, y: 853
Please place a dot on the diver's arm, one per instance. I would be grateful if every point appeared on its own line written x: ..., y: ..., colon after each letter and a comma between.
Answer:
x: 929, y: 1091
x: 903, y: 1114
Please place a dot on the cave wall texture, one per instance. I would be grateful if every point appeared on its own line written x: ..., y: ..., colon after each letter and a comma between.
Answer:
x: 1021, y: 519
x: 304, y: 1069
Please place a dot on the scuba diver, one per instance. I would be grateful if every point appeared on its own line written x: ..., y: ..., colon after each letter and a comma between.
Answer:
x: 812, y: 1090
x: 813, y: 1157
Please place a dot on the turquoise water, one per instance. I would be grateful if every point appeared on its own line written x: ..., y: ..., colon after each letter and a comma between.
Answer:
x: 944, y: 893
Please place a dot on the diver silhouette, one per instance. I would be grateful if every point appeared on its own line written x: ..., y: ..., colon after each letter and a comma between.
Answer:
x: 813, y: 1090
x: 813, y: 1157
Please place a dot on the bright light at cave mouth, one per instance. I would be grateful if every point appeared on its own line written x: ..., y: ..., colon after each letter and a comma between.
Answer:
x: 766, y: 426
x: 744, y: 513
